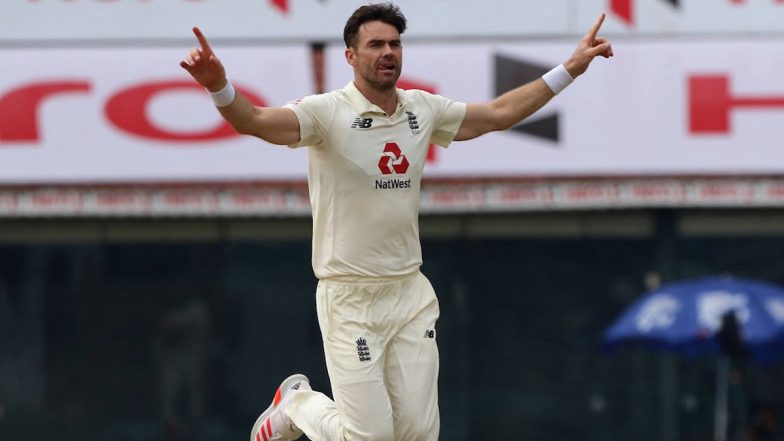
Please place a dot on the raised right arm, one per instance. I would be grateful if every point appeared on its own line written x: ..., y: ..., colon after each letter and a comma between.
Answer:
x: 273, y: 124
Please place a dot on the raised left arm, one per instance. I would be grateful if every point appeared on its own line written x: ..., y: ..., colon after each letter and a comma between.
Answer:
x: 517, y: 104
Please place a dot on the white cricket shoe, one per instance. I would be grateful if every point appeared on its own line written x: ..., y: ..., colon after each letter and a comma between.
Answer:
x: 273, y: 424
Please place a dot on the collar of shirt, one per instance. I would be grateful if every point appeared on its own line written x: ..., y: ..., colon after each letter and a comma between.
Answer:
x: 362, y: 105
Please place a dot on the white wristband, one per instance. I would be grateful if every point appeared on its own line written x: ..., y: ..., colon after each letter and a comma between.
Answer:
x: 557, y: 79
x: 225, y: 96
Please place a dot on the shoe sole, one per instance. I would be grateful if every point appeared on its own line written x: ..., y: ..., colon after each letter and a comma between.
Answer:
x: 285, y: 385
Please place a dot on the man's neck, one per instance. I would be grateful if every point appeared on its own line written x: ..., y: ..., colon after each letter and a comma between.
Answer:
x: 386, y: 99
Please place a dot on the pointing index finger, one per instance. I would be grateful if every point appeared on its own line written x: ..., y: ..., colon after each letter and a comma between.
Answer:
x: 202, y: 40
x: 595, y: 29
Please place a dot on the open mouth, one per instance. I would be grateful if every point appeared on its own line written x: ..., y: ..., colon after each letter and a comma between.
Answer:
x: 386, y: 67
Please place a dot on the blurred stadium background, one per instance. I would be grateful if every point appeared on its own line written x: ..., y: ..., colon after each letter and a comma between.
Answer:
x: 155, y: 279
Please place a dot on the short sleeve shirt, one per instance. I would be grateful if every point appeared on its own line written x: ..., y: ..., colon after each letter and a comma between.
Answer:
x: 364, y: 173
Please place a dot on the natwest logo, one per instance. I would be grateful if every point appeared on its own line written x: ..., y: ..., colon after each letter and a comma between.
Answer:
x: 126, y: 109
x: 393, y: 160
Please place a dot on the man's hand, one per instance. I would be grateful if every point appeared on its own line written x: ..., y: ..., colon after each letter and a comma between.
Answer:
x: 590, y: 46
x: 204, y: 66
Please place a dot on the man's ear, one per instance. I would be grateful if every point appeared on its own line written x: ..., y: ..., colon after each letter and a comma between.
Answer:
x: 350, y: 56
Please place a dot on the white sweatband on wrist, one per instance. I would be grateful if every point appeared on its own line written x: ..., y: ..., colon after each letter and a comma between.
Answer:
x: 557, y: 79
x: 225, y: 96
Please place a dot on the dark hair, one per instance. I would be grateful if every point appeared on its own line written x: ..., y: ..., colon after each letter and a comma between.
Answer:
x: 383, y: 12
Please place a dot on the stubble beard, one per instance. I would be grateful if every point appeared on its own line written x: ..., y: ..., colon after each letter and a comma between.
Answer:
x: 382, y: 84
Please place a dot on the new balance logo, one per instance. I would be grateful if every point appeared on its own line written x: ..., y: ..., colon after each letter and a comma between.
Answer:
x: 412, y: 123
x: 430, y: 333
x: 363, y: 352
x: 362, y: 123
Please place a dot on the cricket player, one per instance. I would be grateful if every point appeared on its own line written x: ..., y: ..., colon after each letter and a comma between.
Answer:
x: 367, y: 144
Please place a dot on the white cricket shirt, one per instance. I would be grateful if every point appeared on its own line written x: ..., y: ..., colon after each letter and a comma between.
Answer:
x: 364, y: 173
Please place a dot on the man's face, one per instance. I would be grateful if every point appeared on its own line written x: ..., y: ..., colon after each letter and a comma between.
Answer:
x: 378, y: 55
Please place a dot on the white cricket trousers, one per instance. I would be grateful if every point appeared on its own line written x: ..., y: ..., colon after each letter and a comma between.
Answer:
x: 382, y: 359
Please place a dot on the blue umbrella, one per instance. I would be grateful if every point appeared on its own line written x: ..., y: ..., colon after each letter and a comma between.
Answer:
x: 686, y: 318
